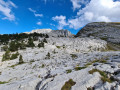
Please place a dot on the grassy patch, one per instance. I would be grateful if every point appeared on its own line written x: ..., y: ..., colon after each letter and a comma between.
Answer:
x: 104, y: 76
x: 90, y: 63
x: 68, y: 85
x: 3, y: 82
x: 16, y: 65
x: 102, y: 60
x: 106, y: 80
x: 69, y: 71
x: 96, y: 70
x: 79, y: 68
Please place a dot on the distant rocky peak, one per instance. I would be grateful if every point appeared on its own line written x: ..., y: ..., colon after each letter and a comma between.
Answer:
x: 40, y: 31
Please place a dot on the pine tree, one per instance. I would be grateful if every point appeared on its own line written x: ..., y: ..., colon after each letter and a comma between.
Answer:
x: 48, y: 56
x: 12, y: 46
x: 21, y: 60
x: 6, y: 56
x: 41, y: 45
x: 14, y: 56
x: 4, y: 48
x: 30, y: 43
x: 44, y: 40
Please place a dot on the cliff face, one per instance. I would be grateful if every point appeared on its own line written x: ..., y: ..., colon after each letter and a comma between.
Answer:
x: 106, y: 31
x: 62, y: 33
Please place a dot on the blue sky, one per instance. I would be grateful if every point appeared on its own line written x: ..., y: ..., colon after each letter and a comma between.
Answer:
x: 26, y: 15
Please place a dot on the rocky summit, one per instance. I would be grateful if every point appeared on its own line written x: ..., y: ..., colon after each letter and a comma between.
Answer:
x: 58, y: 60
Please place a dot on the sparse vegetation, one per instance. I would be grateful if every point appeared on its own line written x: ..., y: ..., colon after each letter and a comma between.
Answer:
x: 3, y: 82
x: 104, y: 76
x: 101, y: 60
x: 68, y: 85
x: 14, y: 65
x: 79, y: 68
x: 68, y: 71
x: 58, y: 47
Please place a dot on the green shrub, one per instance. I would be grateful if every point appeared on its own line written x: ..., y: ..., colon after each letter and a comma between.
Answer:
x: 69, y: 71
x: 14, y: 56
x: 68, y: 85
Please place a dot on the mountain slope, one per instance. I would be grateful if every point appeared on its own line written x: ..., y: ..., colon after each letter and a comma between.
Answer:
x: 106, y: 31
x: 56, y: 61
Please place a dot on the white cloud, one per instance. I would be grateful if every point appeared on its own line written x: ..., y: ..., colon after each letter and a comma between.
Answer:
x: 52, y: 24
x: 36, y: 14
x: 30, y: 9
x: 77, y: 3
x: 45, y: 1
x: 96, y: 11
x: 6, y: 9
x: 61, y: 21
x: 39, y: 23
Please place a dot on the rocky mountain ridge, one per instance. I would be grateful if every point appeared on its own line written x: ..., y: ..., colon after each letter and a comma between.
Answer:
x: 50, y: 32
